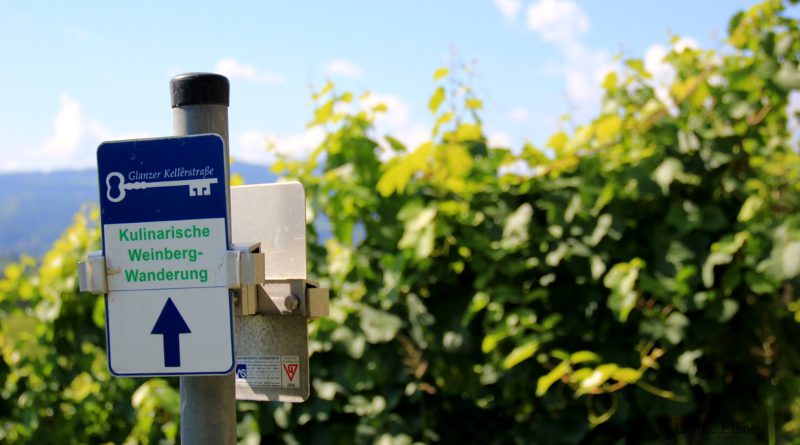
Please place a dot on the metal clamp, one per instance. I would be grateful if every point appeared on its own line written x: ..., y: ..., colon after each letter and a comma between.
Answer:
x: 244, y: 264
x: 92, y: 274
x: 246, y: 277
x: 318, y: 299
x: 292, y: 297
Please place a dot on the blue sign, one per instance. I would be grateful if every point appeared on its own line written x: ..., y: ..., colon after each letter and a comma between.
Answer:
x: 164, y: 213
x: 162, y: 179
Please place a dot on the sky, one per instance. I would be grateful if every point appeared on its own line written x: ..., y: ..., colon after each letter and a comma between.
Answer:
x: 79, y: 73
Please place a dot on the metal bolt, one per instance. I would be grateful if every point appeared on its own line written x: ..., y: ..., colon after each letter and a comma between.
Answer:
x: 291, y: 303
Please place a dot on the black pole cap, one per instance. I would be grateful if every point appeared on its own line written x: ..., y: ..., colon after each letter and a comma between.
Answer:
x: 200, y: 89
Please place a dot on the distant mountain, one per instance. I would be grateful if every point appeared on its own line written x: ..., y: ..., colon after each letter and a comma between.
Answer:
x: 36, y: 207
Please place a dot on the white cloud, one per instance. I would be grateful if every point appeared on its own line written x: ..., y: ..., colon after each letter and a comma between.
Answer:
x: 344, y: 68
x: 414, y: 135
x: 411, y: 136
x: 509, y: 8
x: 559, y: 21
x: 654, y: 58
x: 685, y: 43
x: 172, y: 71
x: 552, y: 68
x: 499, y: 139
x: 397, y: 115
x: 562, y: 22
x: 584, y: 72
x: 663, y: 74
x: 232, y: 69
x: 397, y: 122
x: 68, y: 129
x: 518, y: 114
x: 252, y: 145
x: 520, y: 168
x: 72, y: 143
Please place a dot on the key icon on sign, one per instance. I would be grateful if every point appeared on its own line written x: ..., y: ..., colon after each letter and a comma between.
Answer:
x: 197, y: 187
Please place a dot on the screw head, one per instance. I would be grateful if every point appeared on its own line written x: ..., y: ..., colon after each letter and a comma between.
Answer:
x: 291, y: 303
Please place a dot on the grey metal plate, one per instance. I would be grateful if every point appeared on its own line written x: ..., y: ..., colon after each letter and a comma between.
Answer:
x: 275, y: 215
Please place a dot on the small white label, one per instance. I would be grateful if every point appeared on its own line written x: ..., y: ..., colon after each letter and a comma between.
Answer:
x: 290, y: 371
x: 270, y: 371
x: 252, y: 371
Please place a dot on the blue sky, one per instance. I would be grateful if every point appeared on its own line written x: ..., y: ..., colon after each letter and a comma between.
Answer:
x: 78, y: 73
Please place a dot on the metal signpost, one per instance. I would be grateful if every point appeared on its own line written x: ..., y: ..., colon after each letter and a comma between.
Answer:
x: 173, y: 256
x: 208, y: 404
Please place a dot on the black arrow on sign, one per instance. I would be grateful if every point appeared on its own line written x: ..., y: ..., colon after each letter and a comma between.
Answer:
x: 170, y: 324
